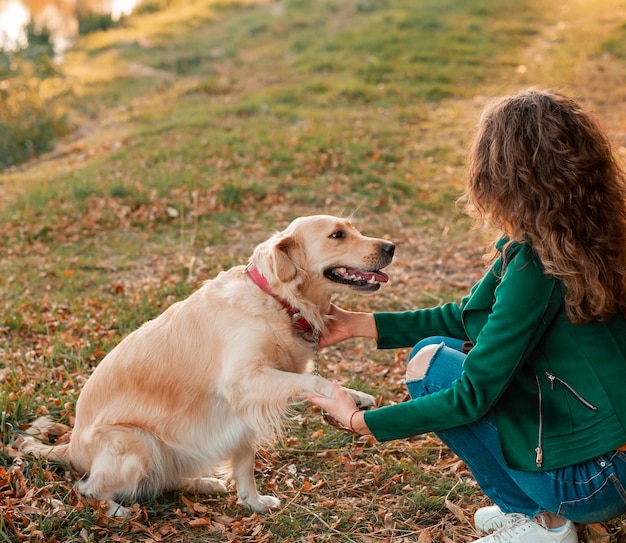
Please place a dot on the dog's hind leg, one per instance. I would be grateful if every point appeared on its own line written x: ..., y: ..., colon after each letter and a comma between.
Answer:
x: 113, y: 477
x: 121, y: 467
x: 242, y: 463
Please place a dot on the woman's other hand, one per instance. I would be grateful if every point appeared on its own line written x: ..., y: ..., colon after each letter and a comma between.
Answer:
x: 344, y: 325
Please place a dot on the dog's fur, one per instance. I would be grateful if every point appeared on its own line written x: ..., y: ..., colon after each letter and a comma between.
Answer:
x: 207, y: 380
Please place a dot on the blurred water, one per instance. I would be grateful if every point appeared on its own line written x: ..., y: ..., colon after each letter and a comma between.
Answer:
x: 14, y: 16
x: 58, y: 16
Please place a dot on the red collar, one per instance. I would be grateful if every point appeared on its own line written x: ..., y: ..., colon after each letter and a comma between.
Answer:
x: 298, y: 321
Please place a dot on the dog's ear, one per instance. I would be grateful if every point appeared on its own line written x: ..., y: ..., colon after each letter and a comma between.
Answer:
x: 285, y: 268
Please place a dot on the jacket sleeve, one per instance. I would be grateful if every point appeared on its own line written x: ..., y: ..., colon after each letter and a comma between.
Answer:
x: 504, y: 317
x: 405, y: 329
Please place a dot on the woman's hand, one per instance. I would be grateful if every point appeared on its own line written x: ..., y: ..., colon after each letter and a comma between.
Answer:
x: 343, y: 409
x: 344, y: 325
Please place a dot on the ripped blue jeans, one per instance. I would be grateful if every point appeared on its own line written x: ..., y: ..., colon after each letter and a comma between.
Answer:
x: 594, y: 491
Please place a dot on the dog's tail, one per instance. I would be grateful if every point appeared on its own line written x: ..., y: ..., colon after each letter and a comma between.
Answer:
x: 30, y: 445
x: 56, y: 453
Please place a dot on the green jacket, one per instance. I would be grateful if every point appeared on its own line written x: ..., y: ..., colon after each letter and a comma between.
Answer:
x: 556, y: 388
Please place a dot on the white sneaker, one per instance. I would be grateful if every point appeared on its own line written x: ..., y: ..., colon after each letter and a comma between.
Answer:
x: 491, y: 518
x: 525, y: 530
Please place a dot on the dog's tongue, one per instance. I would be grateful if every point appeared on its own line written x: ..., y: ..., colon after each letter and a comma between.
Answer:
x: 377, y: 276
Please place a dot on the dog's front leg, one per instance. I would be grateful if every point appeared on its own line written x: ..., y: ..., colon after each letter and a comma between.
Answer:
x: 287, y: 386
x: 261, y: 397
x: 243, y: 474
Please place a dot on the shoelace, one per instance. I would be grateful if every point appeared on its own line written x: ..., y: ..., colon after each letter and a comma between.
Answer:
x: 509, y: 531
x: 511, y: 518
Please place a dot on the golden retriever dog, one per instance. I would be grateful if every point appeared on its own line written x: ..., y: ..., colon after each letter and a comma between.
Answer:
x: 203, y: 384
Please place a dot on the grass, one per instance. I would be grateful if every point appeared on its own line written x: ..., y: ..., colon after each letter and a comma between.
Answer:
x: 199, y: 128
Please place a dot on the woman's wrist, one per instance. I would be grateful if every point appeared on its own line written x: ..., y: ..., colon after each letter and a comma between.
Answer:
x: 357, y: 423
x: 364, y: 325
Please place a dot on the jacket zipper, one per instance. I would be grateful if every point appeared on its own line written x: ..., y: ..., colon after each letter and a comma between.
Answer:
x: 582, y: 400
x: 553, y: 378
x: 539, y: 448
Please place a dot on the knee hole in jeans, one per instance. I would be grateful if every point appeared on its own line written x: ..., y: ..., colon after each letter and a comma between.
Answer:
x: 418, y: 365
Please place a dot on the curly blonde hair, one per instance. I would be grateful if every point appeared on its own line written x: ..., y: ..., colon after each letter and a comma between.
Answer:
x: 542, y: 171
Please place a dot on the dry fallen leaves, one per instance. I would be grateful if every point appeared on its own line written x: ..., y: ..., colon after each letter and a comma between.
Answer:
x: 369, y: 500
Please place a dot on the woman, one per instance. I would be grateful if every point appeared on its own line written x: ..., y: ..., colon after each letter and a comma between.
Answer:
x: 523, y: 379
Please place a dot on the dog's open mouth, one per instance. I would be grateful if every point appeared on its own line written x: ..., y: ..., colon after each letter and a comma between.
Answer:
x: 358, y: 279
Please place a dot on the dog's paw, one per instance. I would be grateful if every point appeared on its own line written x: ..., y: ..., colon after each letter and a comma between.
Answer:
x: 114, y: 510
x: 208, y: 486
x: 262, y: 504
x: 269, y: 502
x: 362, y: 399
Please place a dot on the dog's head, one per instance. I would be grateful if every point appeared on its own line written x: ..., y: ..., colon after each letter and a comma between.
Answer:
x: 318, y: 255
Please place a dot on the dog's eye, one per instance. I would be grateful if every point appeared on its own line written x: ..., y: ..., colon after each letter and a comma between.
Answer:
x: 338, y: 234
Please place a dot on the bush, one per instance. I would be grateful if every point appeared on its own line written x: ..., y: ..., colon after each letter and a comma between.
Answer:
x: 29, y: 124
x: 30, y: 121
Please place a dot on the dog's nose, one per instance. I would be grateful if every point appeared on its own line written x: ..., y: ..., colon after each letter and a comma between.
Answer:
x: 388, y: 248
